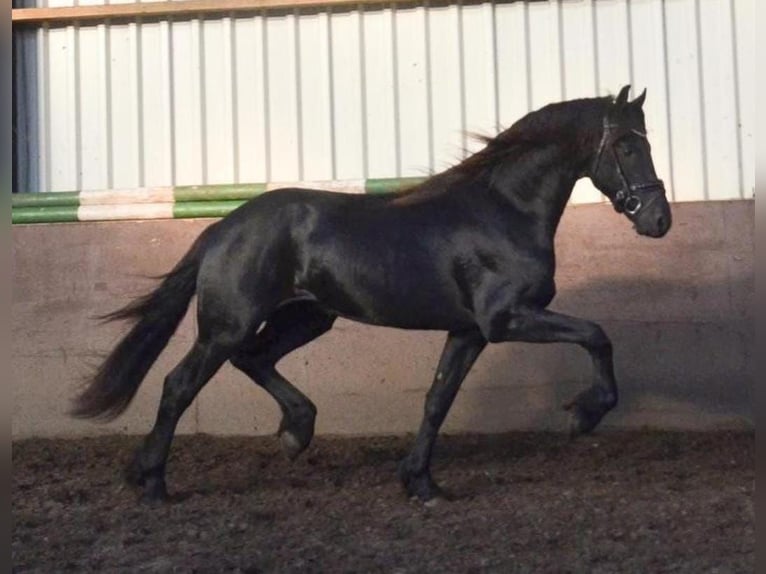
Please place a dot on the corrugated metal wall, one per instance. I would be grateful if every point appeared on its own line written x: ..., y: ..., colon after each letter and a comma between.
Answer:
x: 388, y: 91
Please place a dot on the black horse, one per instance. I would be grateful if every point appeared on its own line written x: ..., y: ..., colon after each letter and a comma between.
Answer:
x: 469, y: 251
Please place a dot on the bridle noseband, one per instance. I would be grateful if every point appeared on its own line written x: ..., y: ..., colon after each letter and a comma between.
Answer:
x: 624, y: 200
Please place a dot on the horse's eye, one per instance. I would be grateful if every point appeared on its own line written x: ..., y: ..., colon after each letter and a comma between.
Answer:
x: 627, y: 151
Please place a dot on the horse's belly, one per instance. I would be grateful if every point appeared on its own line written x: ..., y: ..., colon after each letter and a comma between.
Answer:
x: 405, y: 306
x: 405, y: 318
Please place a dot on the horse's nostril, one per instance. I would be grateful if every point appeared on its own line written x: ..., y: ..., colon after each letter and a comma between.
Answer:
x: 661, y: 222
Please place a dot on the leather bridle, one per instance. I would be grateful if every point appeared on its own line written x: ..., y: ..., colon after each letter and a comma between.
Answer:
x: 625, y: 199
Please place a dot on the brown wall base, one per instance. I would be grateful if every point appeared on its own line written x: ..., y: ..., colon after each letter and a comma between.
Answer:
x: 679, y: 311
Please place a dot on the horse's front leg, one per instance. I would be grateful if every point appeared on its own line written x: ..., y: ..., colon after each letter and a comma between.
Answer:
x: 460, y: 352
x: 543, y: 326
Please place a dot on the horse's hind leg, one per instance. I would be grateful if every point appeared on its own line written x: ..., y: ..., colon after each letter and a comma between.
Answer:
x: 290, y: 327
x: 460, y: 352
x: 179, y: 390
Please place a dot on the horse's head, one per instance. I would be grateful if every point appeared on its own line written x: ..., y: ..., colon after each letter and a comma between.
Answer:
x: 622, y: 168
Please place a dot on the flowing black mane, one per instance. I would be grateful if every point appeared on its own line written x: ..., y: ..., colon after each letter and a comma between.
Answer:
x: 560, y: 123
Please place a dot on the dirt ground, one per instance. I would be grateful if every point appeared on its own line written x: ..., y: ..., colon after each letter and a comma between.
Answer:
x: 614, y: 502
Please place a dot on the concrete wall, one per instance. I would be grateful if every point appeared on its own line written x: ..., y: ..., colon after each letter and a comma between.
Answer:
x: 679, y: 311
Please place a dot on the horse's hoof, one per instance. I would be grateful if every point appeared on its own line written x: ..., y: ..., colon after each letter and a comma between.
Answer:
x: 576, y: 426
x: 438, y: 498
x: 421, y: 487
x: 430, y: 496
x: 587, y: 409
x: 153, y: 500
x: 155, y: 492
x: 582, y: 421
x: 295, y: 434
x: 291, y: 445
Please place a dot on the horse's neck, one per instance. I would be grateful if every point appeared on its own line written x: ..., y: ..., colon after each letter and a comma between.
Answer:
x: 540, y: 186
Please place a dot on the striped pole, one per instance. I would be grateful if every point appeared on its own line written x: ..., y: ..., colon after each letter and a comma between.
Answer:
x: 174, y: 202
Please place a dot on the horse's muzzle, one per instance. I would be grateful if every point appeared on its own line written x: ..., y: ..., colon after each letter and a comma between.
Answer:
x: 654, y: 219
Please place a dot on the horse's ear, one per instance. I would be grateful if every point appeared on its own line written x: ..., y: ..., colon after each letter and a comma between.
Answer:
x: 639, y: 101
x: 622, y: 97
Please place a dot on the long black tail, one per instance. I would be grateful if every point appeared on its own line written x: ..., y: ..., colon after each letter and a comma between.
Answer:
x: 157, y: 316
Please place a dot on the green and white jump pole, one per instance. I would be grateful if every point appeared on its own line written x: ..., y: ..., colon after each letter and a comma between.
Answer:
x: 174, y: 202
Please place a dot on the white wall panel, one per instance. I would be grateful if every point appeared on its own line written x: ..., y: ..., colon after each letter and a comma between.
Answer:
x: 445, y: 76
x: 580, y: 77
x: 189, y: 134
x: 744, y: 36
x: 718, y: 97
x: 412, y: 91
x: 380, y: 93
x: 93, y: 104
x: 388, y: 91
x: 124, y: 93
x: 479, y: 77
x: 317, y: 148
x: 156, y: 155
x: 544, y: 53
x: 252, y: 150
x: 349, y: 121
x: 219, y: 61
x: 579, y: 53
x: 283, y: 137
x: 687, y: 145
x: 650, y: 71
x: 513, y: 57
x: 612, y: 45
x: 62, y: 110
